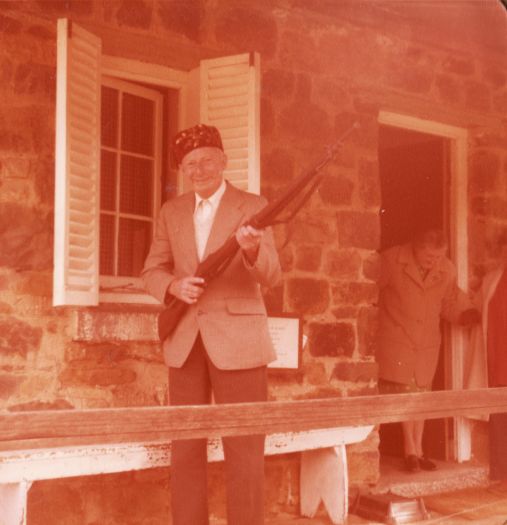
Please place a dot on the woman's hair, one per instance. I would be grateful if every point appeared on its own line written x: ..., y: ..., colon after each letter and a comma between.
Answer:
x: 432, y: 237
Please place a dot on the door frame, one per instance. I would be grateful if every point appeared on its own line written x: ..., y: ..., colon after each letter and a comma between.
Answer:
x: 458, y: 229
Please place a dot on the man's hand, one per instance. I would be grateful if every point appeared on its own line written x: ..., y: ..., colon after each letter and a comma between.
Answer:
x: 187, y: 289
x: 249, y: 239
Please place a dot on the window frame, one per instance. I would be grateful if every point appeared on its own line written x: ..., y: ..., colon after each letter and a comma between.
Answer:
x: 122, y: 69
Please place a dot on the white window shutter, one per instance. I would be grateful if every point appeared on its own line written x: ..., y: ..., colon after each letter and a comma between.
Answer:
x: 230, y: 100
x: 77, y: 167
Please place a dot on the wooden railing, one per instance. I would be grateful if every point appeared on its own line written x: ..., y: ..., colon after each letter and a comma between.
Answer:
x: 55, y: 428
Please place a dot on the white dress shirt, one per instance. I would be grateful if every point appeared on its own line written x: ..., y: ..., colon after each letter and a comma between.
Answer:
x: 204, y: 215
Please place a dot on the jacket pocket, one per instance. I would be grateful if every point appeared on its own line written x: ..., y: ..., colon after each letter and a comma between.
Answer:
x: 245, y: 306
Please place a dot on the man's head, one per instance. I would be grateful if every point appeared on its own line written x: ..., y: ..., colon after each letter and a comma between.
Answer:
x: 199, y: 154
x: 429, y: 247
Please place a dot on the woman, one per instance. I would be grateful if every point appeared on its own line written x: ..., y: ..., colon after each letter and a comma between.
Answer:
x: 417, y: 288
x: 494, y: 323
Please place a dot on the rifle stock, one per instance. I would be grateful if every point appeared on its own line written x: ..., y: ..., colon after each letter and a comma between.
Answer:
x: 215, y: 262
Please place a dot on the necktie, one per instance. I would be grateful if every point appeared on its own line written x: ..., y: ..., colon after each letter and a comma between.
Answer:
x: 202, y: 225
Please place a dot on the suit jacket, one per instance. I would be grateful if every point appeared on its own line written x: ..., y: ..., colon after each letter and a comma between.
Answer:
x: 409, y: 317
x: 230, y: 314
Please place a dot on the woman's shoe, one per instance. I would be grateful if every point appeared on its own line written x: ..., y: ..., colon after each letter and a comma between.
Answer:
x: 426, y: 464
x: 412, y: 463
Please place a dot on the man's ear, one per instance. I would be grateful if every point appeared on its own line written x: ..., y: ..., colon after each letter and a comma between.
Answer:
x: 224, y: 160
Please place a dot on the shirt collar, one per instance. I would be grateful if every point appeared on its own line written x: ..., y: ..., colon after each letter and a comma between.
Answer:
x: 214, y: 199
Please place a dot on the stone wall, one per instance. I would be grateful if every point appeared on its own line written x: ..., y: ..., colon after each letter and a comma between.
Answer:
x: 322, y: 69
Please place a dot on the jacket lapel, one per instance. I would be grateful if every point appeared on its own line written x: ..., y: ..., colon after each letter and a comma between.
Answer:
x: 410, y: 266
x: 228, y: 218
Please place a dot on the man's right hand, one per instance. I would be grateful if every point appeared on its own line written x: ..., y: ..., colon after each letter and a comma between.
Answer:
x: 187, y: 289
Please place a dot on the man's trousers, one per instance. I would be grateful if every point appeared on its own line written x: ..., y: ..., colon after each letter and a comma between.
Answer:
x: 192, y: 384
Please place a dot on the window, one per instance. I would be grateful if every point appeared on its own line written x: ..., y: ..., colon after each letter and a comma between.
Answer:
x: 130, y: 174
x: 110, y: 165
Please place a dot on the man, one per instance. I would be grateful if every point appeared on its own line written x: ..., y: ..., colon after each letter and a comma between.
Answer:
x: 417, y: 287
x: 222, y: 344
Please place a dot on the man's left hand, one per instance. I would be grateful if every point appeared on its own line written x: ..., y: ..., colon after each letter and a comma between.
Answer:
x: 249, y: 239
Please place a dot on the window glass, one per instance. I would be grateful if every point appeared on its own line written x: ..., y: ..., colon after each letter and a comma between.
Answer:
x: 134, y: 243
x: 108, y: 180
x: 109, y: 116
x: 137, y: 124
x: 107, y: 227
x: 136, y: 185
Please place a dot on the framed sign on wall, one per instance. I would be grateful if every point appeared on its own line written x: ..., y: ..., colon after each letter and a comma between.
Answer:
x: 286, y: 335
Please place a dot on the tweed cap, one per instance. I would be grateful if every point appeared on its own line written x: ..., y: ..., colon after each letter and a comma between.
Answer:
x: 199, y: 136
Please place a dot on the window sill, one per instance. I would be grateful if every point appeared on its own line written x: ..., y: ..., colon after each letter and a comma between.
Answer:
x: 117, y: 322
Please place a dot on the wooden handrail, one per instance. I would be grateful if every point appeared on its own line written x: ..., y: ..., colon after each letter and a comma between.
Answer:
x: 53, y: 428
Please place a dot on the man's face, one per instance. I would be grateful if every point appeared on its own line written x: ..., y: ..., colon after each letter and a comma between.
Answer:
x: 204, y: 167
x: 427, y: 257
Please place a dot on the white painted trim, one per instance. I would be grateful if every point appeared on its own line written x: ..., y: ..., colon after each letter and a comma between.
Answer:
x: 39, y: 464
x: 143, y: 72
x: 458, y: 211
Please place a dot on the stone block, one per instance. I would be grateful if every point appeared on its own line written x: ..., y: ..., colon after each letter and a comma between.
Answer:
x: 323, y: 392
x: 25, y: 237
x: 477, y: 96
x: 343, y: 264
x: 449, y: 89
x: 9, y: 384
x: 412, y: 79
x: 307, y: 296
x: 57, y: 404
x: 305, y: 120
x: 279, y: 83
x: 35, y: 79
x: 308, y: 258
x: 363, y: 466
x: 65, y: 8
x: 10, y: 26
x: 354, y: 293
x: 371, y: 266
x: 90, y: 374
x: 369, y: 184
x: 459, y: 66
x: 367, y: 329
x: 314, y: 373
x: 247, y: 28
x: 500, y: 102
x: 331, y: 339
x: 184, y: 18
x: 278, y: 167
x: 319, y: 227
x: 99, y: 325
x: 495, y: 76
x: 358, y: 229
x: 137, y: 14
x: 345, y: 312
x: 355, y: 371
x: 18, y: 337
x: 35, y: 283
x: 485, y: 171
x: 336, y: 191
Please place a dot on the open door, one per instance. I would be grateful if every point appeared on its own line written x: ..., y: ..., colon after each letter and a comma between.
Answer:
x: 414, y: 175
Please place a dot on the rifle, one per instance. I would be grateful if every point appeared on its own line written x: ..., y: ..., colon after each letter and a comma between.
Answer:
x: 216, y: 262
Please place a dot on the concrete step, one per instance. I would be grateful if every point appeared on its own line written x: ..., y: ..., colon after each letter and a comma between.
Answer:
x: 448, y: 477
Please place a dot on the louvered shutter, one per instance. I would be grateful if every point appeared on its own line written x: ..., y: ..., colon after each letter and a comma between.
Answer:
x: 77, y: 165
x: 230, y: 100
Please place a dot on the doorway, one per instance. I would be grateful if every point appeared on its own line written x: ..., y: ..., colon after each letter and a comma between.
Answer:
x: 414, y: 169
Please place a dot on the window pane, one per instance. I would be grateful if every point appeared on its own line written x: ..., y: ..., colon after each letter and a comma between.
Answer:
x: 109, y: 116
x: 134, y: 243
x: 137, y: 124
x: 136, y: 185
x: 106, y: 244
x: 107, y: 180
